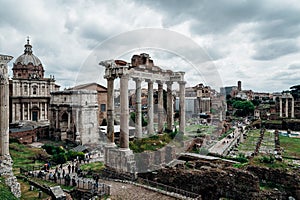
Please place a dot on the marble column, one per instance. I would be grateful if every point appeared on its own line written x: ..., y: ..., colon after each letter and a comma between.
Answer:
x: 69, y: 120
x: 286, y: 107
x: 4, y: 105
x: 182, y: 106
x: 280, y: 107
x: 169, y: 106
x: 28, y: 111
x: 18, y: 112
x: 110, y: 110
x: 46, y: 111
x: 13, y: 112
x: 138, y: 108
x: 150, y: 107
x: 22, y: 104
x: 124, y: 116
x: 160, y: 107
x: 293, y: 108
x: 56, y: 118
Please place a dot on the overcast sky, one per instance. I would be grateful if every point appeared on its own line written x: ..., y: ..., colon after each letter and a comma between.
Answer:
x: 256, y: 42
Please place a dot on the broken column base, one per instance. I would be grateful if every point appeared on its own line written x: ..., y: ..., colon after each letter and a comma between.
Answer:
x: 10, y: 180
x: 121, y: 160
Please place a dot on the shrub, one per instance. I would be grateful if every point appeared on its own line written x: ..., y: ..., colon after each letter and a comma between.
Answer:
x: 267, y: 159
x: 241, y: 158
x: 60, y: 158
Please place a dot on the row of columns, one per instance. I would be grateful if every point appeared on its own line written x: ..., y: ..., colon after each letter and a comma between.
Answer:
x: 18, y: 111
x: 287, y: 107
x: 124, y: 106
x: 26, y: 89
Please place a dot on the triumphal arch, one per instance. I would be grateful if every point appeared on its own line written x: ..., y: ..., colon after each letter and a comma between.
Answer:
x: 140, y: 69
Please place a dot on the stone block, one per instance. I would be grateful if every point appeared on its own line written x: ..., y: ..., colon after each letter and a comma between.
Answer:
x: 57, y: 193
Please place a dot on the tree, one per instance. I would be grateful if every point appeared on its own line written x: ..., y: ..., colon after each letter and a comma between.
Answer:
x: 243, y: 108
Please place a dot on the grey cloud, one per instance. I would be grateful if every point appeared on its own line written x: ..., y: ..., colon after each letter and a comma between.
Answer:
x: 241, y: 74
x: 273, y: 49
x: 295, y: 66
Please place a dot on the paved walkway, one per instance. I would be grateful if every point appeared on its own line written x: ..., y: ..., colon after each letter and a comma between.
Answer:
x: 223, y: 145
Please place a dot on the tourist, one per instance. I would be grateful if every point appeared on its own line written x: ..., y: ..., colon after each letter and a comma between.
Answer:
x: 69, y: 168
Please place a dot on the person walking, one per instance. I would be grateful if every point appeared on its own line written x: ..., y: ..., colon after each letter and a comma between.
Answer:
x: 69, y: 168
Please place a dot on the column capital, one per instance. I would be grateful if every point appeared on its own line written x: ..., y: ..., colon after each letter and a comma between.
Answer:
x: 138, y: 79
x: 110, y: 78
x: 169, y: 83
x: 149, y: 80
x: 159, y: 82
x: 182, y: 82
x: 124, y: 76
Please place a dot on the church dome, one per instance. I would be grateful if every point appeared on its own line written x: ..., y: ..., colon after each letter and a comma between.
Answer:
x: 27, y: 65
x: 28, y: 56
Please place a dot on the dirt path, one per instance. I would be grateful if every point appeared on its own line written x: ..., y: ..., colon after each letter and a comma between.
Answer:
x: 132, y: 192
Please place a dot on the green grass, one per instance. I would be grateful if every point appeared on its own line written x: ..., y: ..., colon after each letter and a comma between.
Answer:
x: 151, y: 143
x: 24, y: 156
x: 250, y: 142
x: 208, y: 130
x: 257, y: 161
x: 27, y: 194
x: 5, y: 193
x: 94, y: 167
x: 291, y: 146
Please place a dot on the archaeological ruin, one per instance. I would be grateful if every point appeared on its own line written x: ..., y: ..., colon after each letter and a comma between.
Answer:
x: 140, y: 69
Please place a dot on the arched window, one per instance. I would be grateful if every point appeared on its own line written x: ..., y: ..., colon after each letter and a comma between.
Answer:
x: 34, y: 90
x: 64, y: 117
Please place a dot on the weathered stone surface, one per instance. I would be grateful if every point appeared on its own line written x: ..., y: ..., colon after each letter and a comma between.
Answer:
x: 10, y: 179
x: 57, y: 193
x: 289, y: 181
x: 211, y: 183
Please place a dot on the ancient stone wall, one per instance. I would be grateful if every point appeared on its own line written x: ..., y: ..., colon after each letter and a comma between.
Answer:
x: 289, y: 181
x: 211, y: 183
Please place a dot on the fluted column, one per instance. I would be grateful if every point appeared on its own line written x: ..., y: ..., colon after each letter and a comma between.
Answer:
x: 110, y: 110
x: 160, y: 107
x: 280, y: 106
x: 138, y: 108
x: 150, y: 107
x: 182, y: 106
x: 124, y: 118
x: 169, y: 106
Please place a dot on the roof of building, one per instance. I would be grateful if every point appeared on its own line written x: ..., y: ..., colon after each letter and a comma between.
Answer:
x: 80, y: 148
x: 28, y: 56
x: 94, y: 86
